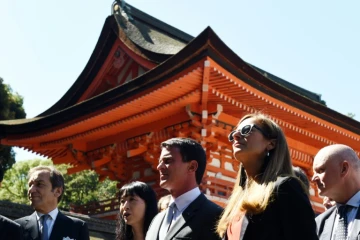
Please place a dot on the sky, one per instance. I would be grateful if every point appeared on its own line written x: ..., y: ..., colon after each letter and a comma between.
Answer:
x: 45, y: 45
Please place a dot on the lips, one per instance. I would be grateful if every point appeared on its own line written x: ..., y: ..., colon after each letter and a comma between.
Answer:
x: 238, y: 144
x: 126, y: 215
x: 320, y: 185
x: 163, y: 176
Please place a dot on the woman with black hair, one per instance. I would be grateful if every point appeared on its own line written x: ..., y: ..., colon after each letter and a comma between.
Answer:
x: 138, y: 206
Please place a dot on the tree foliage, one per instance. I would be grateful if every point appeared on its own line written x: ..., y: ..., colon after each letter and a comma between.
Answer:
x: 80, y: 188
x: 351, y: 115
x: 11, y: 107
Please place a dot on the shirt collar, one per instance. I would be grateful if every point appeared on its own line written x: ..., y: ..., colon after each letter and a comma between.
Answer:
x: 53, y: 214
x: 185, y: 199
x: 354, y: 201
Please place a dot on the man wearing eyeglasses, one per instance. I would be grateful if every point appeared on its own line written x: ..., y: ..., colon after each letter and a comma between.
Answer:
x: 190, y: 214
x: 337, y: 176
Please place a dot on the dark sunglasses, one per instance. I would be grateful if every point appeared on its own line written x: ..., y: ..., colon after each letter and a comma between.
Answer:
x: 245, y: 131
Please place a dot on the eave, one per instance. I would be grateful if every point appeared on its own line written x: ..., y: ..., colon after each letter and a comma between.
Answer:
x: 303, y: 113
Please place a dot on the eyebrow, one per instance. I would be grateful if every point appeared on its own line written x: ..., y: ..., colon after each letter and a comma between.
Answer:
x: 316, y: 168
x: 37, y: 181
x: 165, y: 158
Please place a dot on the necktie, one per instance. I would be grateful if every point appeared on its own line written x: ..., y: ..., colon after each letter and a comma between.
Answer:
x: 341, y: 231
x: 167, y: 221
x: 44, y: 227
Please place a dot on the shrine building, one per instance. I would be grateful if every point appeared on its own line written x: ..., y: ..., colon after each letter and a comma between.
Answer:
x: 146, y: 82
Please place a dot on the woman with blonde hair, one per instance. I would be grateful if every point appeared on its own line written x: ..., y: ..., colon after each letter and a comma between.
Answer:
x: 268, y: 201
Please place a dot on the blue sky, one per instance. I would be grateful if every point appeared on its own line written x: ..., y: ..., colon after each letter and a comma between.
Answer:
x: 44, y: 45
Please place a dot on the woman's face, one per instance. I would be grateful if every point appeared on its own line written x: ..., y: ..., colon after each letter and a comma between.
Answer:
x: 254, y: 144
x: 132, y: 209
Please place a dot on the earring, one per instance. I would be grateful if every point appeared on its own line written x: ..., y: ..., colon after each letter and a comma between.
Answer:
x: 268, y: 154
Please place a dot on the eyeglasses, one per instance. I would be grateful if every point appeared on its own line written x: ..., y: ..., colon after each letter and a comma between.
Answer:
x: 246, y: 131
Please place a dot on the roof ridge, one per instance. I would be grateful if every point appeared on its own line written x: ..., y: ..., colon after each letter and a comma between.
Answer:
x: 148, y: 19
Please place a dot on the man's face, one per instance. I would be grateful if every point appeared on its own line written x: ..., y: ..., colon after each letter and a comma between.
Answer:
x: 327, y: 176
x: 43, y: 198
x: 173, y: 171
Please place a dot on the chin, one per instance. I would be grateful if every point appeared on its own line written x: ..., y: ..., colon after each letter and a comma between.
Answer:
x: 237, y: 156
x: 128, y: 223
x: 166, y: 186
x: 163, y: 183
x: 322, y: 193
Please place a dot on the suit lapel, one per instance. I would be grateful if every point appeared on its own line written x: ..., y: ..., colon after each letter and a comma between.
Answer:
x: 356, y: 226
x: 176, y: 226
x: 153, y: 231
x: 185, y: 216
x: 328, y: 226
x: 32, y: 227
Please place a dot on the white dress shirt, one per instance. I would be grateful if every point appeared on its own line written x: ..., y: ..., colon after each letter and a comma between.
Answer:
x: 183, y: 201
x: 50, y: 220
x: 351, y: 214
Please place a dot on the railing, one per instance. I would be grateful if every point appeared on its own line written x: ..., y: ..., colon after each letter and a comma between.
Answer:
x: 217, y: 187
x: 93, y: 208
x: 212, y: 186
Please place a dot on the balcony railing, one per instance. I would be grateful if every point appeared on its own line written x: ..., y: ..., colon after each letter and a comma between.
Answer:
x: 109, y: 205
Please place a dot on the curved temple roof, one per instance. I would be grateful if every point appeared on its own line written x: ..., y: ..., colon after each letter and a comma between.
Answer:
x: 175, y: 47
x: 149, y: 37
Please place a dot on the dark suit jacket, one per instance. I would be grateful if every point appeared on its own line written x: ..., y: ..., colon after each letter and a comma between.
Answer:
x: 64, y: 226
x: 198, y: 221
x: 325, y: 224
x: 289, y: 215
x: 9, y: 230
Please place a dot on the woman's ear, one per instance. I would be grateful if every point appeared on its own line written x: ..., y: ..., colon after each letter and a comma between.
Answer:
x: 271, y: 145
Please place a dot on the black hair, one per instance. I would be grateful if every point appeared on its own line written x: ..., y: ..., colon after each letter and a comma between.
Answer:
x: 189, y: 150
x: 146, y: 193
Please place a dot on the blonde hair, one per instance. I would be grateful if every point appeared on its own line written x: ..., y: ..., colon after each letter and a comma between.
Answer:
x: 253, y: 197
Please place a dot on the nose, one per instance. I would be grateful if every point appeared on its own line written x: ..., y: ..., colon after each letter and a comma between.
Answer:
x: 31, y: 189
x: 160, y: 165
x: 314, y: 177
x: 236, y: 135
x: 126, y: 205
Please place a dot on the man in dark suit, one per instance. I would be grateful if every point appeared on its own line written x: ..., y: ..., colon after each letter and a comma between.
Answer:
x: 190, y: 214
x: 46, y: 187
x: 9, y: 230
x: 337, y: 175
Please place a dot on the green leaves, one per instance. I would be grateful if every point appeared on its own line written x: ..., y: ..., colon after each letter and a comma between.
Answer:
x: 11, y: 107
x: 80, y: 188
